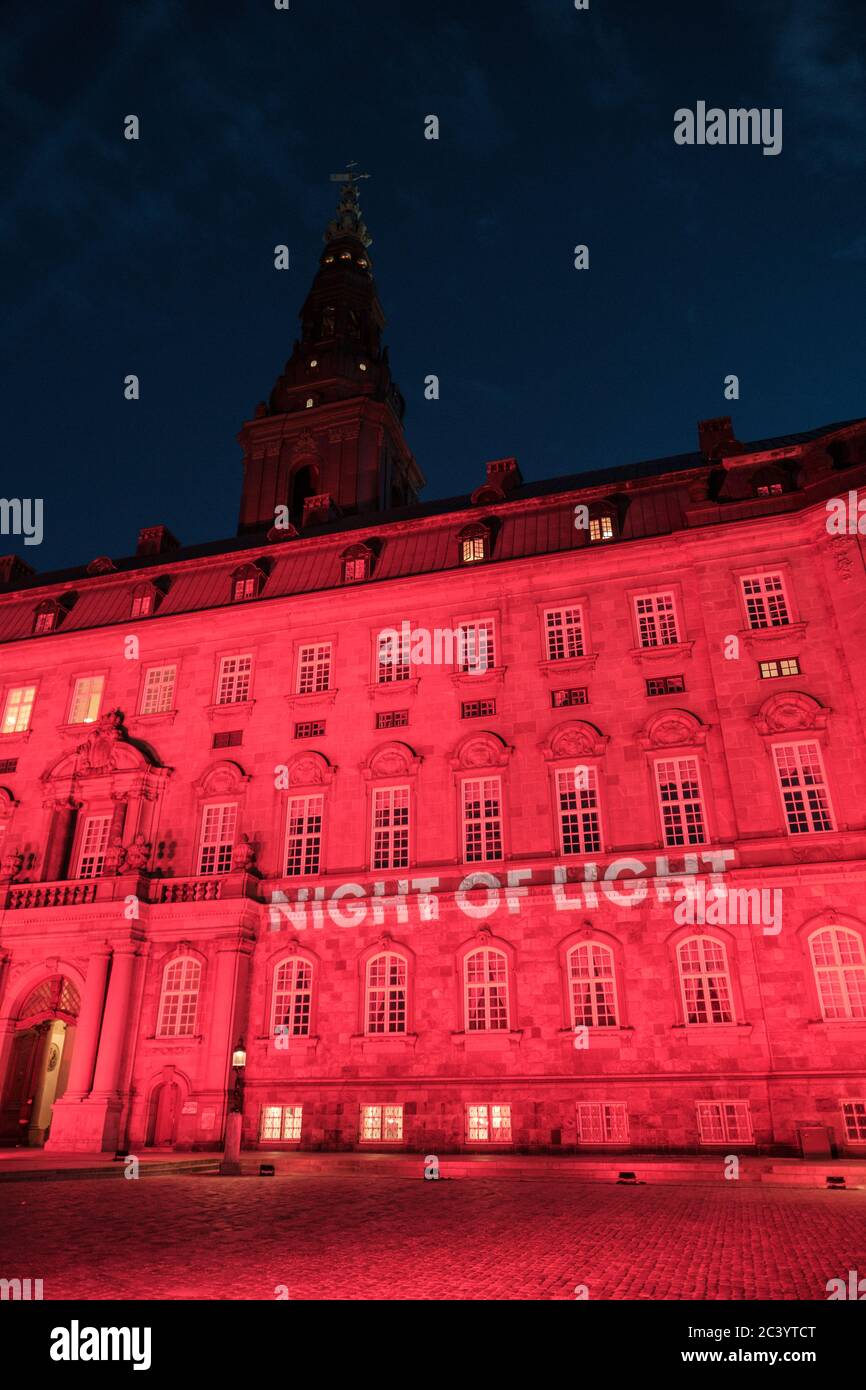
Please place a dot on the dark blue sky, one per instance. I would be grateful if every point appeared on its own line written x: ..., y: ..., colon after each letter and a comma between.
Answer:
x: 156, y: 257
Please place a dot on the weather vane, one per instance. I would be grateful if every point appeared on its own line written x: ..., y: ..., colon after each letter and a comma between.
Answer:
x: 350, y: 176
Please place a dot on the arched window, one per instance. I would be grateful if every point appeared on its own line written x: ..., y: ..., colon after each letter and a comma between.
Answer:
x: 592, y: 986
x: 839, y: 962
x: 485, y: 977
x: 385, y: 993
x: 293, y: 997
x: 178, y: 1003
x: 705, y: 980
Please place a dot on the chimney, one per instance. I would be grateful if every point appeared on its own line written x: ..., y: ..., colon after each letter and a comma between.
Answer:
x: 13, y: 569
x: 716, y: 437
x: 155, y: 540
x: 504, y: 473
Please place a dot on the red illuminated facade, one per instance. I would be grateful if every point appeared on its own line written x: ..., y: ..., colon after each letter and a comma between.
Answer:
x: 434, y: 882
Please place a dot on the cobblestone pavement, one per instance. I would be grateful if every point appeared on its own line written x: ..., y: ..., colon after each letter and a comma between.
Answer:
x: 351, y: 1237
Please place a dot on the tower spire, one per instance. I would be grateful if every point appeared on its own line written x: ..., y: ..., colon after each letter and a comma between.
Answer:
x: 349, y: 220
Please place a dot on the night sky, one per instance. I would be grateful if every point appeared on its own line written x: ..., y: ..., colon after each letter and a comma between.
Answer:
x: 156, y: 257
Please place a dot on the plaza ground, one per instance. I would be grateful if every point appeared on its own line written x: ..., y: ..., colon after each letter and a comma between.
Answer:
x: 352, y: 1236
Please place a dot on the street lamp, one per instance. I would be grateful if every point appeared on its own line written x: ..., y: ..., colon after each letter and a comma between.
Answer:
x: 230, y: 1166
x: 239, y: 1061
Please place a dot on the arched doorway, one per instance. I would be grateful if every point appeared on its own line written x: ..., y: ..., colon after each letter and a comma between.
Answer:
x: 163, y: 1115
x: 41, y: 1055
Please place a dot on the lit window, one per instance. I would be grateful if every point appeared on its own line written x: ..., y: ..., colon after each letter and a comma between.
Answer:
x: 363, y: 366
x: 564, y: 630
x: 86, y: 699
x: 310, y: 403
x: 142, y: 602
x: 381, y: 1124
x: 485, y: 981
x: 657, y: 620
x: 293, y: 998
x: 94, y: 843
x: 355, y: 568
x: 181, y: 982
x: 724, y: 1122
x: 475, y: 648
x: 217, y: 838
x: 601, y: 528
x: 157, y: 695
x: 246, y: 583
x: 592, y: 986
x: 345, y: 255
x: 304, y: 836
x: 235, y: 676
x: 578, y: 810
x: 766, y: 601
x: 803, y: 787
x: 602, y: 1122
x: 784, y: 666
x: 314, y: 362
x: 18, y: 709
x: 314, y: 669
x: 385, y: 994
x: 390, y: 828
x: 472, y: 549
x: 392, y: 658
x: 854, y: 1116
x: 482, y: 819
x: 680, y: 801
x: 705, y: 980
x: 281, y: 1123
x: 839, y: 963
x: 363, y: 263
x: 46, y: 618
x: 488, y: 1124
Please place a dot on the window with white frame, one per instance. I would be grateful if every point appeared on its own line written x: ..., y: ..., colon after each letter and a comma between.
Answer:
x: 680, y: 801
x: 476, y: 647
x: 157, y: 694
x: 485, y: 982
x: 488, y: 1124
x: 656, y: 620
x: 602, y: 528
x: 724, y: 1122
x: 304, y: 836
x: 385, y: 994
x: 93, y: 844
x: 390, y: 849
x: 392, y: 658
x: 564, y: 632
x: 246, y: 583
x: 473, y: 549
x: 18, y: 708
x: 482, y: 819
x: 178, y: 1003
x: 602, y: 1122
x: 293, y: 998
x: 578, y: 810
x: 235, y: 678
x: 803, y: 786
x: 281, y: 1124
x: 766, y: 601
x: 217, y: 838
x: 854, y: 1117
x: 592, y: 986
x: 705, y: 980
x: 314, y: 668
x: 86, y: 699
x: 381, y: 1124
x: 839, y: 963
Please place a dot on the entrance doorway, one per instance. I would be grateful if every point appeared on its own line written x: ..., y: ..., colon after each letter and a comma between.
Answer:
x: 41, y: 1055
x: 164, y: 1112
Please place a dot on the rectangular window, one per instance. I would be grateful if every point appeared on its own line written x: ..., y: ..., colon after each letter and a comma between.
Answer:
x: 314, y: 669
x: 564, y: 632
x: 390, y: 828
x: 656, y: 620
x: 8, y: 765
x: 304, y: 836
x: 94, y: 843
x: 217, y: 838
x: 310, y: 728
x: 244, y: 587
x: 45, y: 622
x: 472, y: 550
x: 232, y: 738
x: 488, y: 1124
x: 476, y: 651
x: 281, y: 1123
x: 766, y: 601
x: 392, y: 659
x: 235, y: 678
x: 724, y: 1122
x: 142, y: 604
x: 578, y: 810
x: 381, y: 1124
x: 157, y: 695
x: 18, y: 709
x: 86, y: 699
x: 602, y: 1122
x: 601, y: 528
x: 392, y: 719
x: 785, y: 666
x: 482, y: 819
x: 803, y: 787
x: 854, y: 1115
x: 577, y: 695
x: 665, y: 685
x: 477, y: 709
x: 680, y: 801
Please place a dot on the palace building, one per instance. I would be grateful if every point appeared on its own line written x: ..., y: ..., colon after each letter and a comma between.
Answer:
x: 504, y: 883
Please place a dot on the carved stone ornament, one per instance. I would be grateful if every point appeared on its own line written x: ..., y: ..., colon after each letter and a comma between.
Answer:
x: 98, y: 752
x: 481, y: 750
x: 792, y: 712
x: 576, y: 739
x: 138, y: 854
x: 11, y: 866
x: 243, y: 855
x: 675, y: 728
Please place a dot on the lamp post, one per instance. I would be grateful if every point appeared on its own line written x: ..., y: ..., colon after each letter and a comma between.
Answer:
x: 230, y: 1165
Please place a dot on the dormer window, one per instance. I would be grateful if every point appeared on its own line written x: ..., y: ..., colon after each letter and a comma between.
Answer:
x: 310, y: 402
x: 145, y: 598
x: 345, y: 255
x: 474, y: 543
x: 769, y: 489
x: 363, y: 263
x: 329, y: 260
x: 46, y: 618
x: 363, y: 366
x: 357, y: 564
x: 769, y: 482
x: 246, y: 583
x: 602, y: 528
x: 314, y: 361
